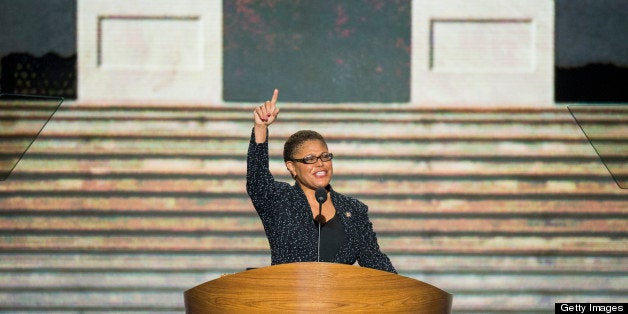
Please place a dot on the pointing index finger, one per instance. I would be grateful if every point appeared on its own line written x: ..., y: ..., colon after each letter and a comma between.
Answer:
x: 275, y: 96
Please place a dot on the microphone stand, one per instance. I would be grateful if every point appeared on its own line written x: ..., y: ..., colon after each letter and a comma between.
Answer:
x: 320, y: 223
x: 321, y: 197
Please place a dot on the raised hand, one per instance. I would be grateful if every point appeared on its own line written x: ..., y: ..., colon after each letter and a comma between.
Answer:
x: 264, y: 116
x: 267, y: 113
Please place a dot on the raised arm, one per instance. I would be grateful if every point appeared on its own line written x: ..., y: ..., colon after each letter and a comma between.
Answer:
x: 260, y: 183
x: 265, y: 115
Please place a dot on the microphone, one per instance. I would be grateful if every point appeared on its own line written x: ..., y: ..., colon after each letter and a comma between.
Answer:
x: 321, y: 197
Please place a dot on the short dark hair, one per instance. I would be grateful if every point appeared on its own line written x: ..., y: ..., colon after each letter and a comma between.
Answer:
x: 297, y: 139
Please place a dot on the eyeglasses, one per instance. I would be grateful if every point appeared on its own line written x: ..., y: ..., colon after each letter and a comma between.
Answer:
x: 310, y: 159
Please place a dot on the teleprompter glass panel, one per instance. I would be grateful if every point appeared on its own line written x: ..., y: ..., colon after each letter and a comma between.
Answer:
x: 22, y: 118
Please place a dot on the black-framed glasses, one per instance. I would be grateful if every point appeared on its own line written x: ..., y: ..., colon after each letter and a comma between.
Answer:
x: 310, y: 159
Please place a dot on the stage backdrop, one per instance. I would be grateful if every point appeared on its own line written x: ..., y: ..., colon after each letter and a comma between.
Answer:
x: 122, y: 206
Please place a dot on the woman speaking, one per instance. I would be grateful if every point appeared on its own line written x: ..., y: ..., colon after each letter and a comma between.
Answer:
x: 308, y: 221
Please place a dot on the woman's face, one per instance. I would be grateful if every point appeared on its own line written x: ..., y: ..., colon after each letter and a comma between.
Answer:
x: 314, y: 175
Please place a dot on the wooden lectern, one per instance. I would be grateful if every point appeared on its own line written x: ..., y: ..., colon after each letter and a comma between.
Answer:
x: 316, y: 287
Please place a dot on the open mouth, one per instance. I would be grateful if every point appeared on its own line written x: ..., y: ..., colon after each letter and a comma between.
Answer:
x: 320, y: 174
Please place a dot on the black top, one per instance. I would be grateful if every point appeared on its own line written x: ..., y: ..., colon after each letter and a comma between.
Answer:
x: 333, y: 235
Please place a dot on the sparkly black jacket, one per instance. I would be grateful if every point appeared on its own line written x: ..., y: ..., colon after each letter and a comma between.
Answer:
x: 287, y: 219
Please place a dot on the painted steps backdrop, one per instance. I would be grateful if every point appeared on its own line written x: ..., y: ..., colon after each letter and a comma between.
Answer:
x: 123, y: 208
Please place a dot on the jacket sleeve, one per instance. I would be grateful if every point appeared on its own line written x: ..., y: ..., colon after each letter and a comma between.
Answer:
x: 260, y: 184
x: 369, y: 253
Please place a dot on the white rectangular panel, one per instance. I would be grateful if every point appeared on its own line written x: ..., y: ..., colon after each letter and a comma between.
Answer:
x: 495, y: 53
x: 150, y: 51
x: 482, y: 46
x: 150, y: 43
